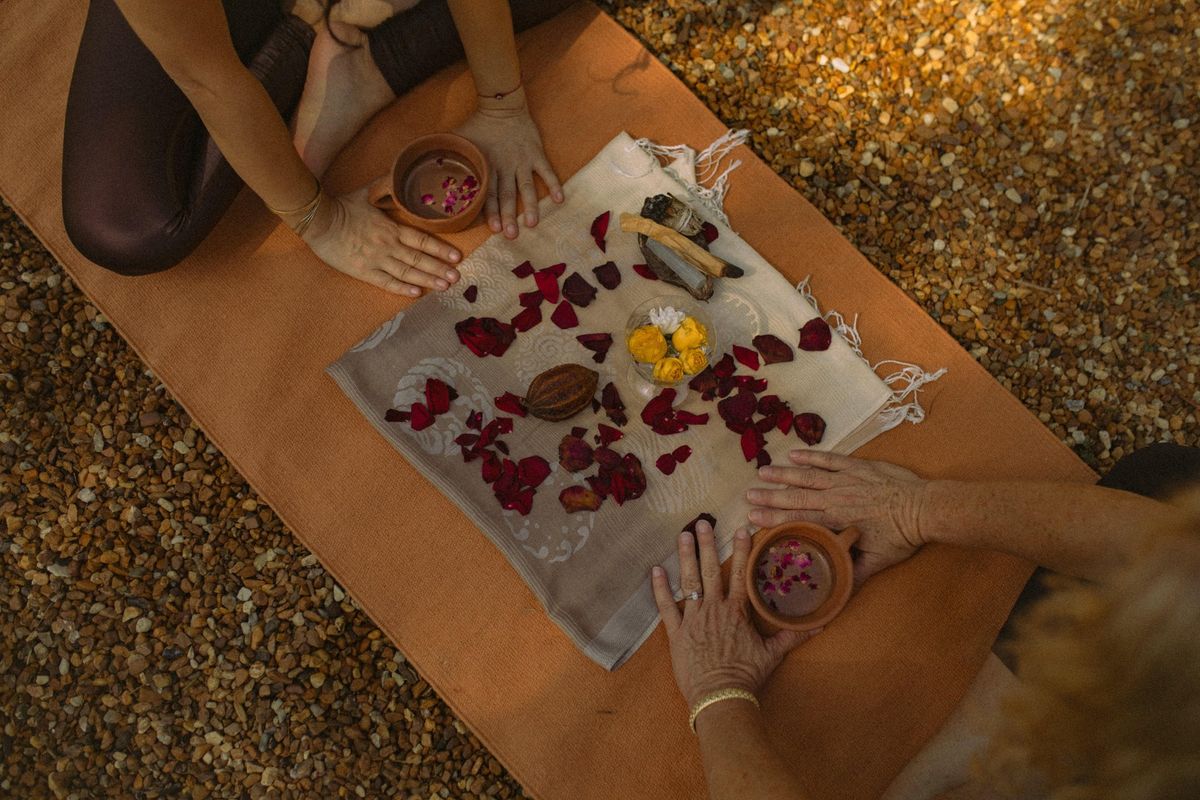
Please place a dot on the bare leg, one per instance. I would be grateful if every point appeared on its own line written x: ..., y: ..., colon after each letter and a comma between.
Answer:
x: 342, y: 91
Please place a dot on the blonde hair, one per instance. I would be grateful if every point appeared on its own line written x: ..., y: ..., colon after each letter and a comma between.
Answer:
x: 1110, y: 704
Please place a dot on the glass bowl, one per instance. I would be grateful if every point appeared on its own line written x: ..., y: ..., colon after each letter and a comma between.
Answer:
x: 642, y: 377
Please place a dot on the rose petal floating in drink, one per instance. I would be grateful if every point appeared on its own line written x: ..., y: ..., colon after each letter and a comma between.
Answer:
x: 509, y: 403
x: 773, y: 349
x: 608, y: 275
x: 600, y: 230
x: 809, y: 427
x: 576, y: 289
x: 527, y: 318
x: 427, y: 199
x: 574, y: 454
x: 564, y: 316
x: 598, y: 343
x: 485, y: 336
x: 745, y: 356
x: 815, y: 335
x: 471, y: 293
x: 645, y: 271
x: 523, y: 270
x: 579, y: 498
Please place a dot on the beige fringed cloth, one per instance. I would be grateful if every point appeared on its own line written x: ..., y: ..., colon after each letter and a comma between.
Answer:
x: 590, y: 569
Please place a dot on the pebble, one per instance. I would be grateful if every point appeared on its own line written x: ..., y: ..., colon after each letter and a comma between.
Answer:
x: 1095, y: 259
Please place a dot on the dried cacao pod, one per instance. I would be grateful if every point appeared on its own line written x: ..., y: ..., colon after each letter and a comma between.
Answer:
x: 561, y: 392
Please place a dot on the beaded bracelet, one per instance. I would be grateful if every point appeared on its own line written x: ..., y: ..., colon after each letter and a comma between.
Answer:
x: 717, y: 697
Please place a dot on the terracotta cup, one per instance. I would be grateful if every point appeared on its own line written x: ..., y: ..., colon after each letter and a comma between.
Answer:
x: 415, y: 175
x: 834, y: 547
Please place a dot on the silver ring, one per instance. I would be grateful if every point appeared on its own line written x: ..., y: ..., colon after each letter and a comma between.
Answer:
x: 694, y: 595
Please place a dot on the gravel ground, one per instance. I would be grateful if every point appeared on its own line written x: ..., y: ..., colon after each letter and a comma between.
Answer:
x: 1024, y: 170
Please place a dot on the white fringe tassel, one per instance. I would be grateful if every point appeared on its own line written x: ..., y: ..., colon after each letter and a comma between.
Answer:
x: 712, y: 182
x: 905, y: 380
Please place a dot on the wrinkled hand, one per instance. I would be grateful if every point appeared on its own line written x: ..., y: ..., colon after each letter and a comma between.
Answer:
x: 354, y: 237
x: 714, y: 645
x: 510, y: 140
x: 882, y: 500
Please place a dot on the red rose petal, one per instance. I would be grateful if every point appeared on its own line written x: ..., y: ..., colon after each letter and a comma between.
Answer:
x: 421, y: 417
x: 774, y: 350
x: 485, y: 336
x: 737, y: 408
x: 746, y: 356
x: 607, y: 435
x: 396, y: 415
x: 519, y: 501
x: 764, y: 458
x: 681, y: 453
x: 608, y: 275
x: 601, y: 483
x: 438, y: 396
x: 750, y: 383
x: 598, y: 343
x: 645, y: 271
x: 527, y: 319
x: 532, y: 470
x: 815, y: 335
x: 489, y: 468
x: 705, y: 383
x: 607, y: 457
x: 523, y: 270
x: 564, y: 316
x: 530, y: 299
x: 610, y: 401
x: 557, y: 270
x: 628, y: 482
x: 471, y: 293
x: 725, y: 367
x: 710, y: 232
x: 475, y: 420
x: 579, y: 498
x: 574, y: 454
x: 785, y: 422
x: 466, y: 439
x: 665, y: 463
x: 691, y: 526
x: 752, y: 443
x: 690, y: 418
x: 576, y: 289
x: 547, y: 283
x: 600, y: 230
x: 502, y: 446
x: 809, y: 427
x: 578, y: 432
x: 509, y: 403
x: 658, y: 406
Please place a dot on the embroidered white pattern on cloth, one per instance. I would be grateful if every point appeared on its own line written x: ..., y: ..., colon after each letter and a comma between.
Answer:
x: 589, y: 569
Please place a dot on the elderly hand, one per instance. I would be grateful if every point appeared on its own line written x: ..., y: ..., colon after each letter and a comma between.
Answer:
x: 882, y: 500
x: 352, y: 236
x: 714, y: 645
x: 510, y: 140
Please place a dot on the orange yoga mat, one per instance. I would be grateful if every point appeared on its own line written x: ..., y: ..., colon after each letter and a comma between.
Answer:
x: 241, y: 334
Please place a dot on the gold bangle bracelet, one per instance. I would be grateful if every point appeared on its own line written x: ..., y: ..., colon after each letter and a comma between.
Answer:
x: 717, y: 697
x: 304, y: 209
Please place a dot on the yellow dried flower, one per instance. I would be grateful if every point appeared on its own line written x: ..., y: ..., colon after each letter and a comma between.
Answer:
x: 668, y: 370
x: 689, y: 334
x: 693, y: 360
x: 647, y: 344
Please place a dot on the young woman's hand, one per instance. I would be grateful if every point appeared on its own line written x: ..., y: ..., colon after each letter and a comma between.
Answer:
x: 510, y: 140
x: 714, y: 645
x: 883, y: 501
x: 352, y: 236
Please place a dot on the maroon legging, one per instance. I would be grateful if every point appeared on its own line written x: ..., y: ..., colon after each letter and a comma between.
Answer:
x: 143, y: 182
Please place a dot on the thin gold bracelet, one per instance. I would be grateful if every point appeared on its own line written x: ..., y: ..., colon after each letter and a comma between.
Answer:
x: 717, y: 697
x: 306, y: 210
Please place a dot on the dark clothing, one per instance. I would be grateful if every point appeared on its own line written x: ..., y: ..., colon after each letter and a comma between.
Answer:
x: 143, y: 182
x: 1157, y: 471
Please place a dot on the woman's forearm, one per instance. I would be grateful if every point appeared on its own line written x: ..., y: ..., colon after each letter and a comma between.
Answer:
x: 1076, y: 529
x: 486, y: 30
x: 739, y: 761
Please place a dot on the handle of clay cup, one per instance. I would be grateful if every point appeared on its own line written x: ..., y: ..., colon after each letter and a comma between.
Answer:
x: 380, y: 193
x: 849, y: 536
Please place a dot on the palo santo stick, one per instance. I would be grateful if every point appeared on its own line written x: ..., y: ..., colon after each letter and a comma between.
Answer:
x: 690, y: 251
